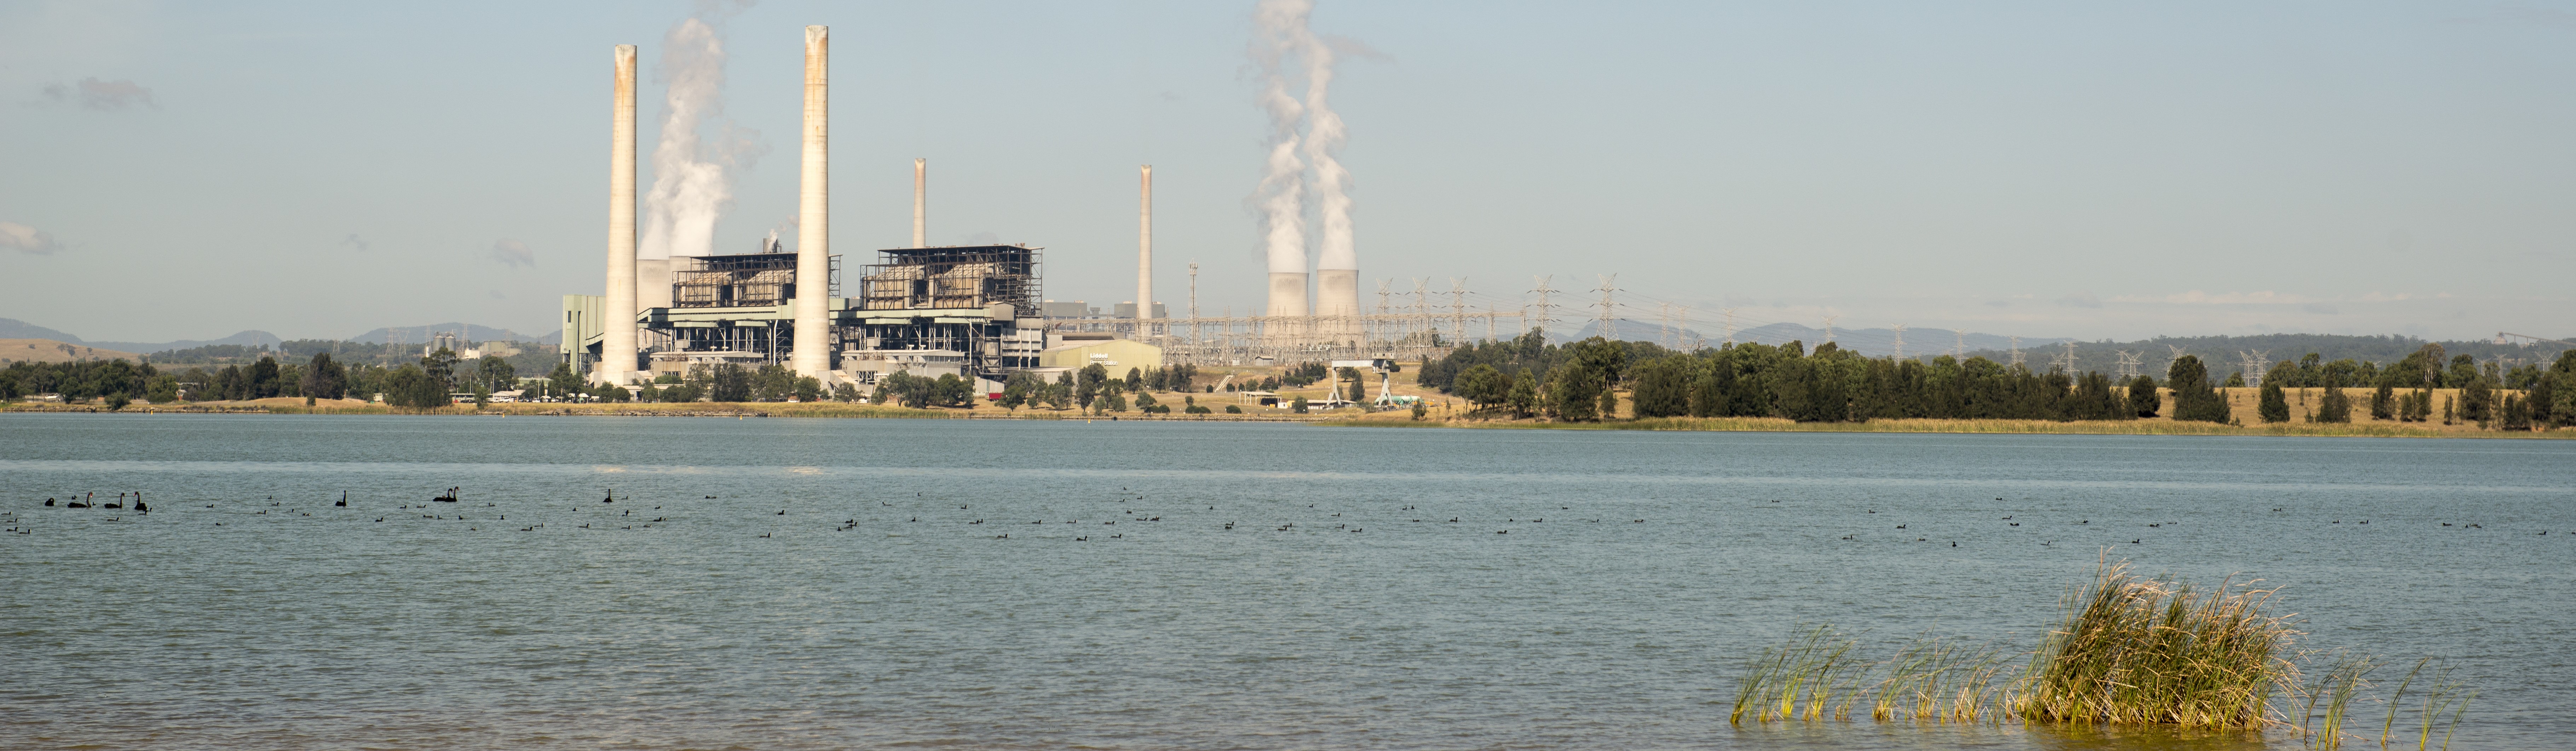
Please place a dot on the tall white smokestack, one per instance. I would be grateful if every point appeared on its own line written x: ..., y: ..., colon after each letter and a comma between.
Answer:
x: 1145, y: 243
x: 920, y: 181
x: 814, y: 217
x: 617, y: 345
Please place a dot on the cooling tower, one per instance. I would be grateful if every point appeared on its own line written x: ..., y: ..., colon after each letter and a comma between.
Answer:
x: 814, y: 217
x: 617, y: 341
x: 1337, y: 304
x: 1287, y: 298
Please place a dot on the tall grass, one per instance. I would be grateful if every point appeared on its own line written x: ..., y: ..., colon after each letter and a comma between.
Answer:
x: 2128, y: 651
x: 2137, y: 651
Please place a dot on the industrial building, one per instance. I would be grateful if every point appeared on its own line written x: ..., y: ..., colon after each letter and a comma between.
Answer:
x: 975, y: 311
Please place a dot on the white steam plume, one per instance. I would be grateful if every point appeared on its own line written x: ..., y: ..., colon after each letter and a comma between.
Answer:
x: 692, y: 178
x: 1324, y: 138
x: 1281, y: 197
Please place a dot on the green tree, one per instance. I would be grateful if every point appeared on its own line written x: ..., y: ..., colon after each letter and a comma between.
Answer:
x: 1483, y: 386
x: 2463, y: 371
x: 1663, y: 388
x: 440, y: 366
x: 2383, y: 401
x: 164, y: 389
x: 2477, y: 400
x: 1523, y: 397
x: 2336, y: 406
x: 1575, y: 394
x: 263, y: 379
x: 563, y: 382
x: 952, y: 391
x: 1298, y: 406
x: 325, y: 378
x: 1087, y: 385
x: 495, y: 373
x: 2194, y: 400
x: 729, y: 382
x: 1016, y: 389
x: 809, y: 389
x: 2144, y: 400
x: 2273, y: 406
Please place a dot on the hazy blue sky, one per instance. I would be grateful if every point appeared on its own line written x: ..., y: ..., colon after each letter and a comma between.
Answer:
x: 2040, y: 169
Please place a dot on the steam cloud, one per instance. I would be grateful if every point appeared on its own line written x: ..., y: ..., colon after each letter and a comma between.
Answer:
x: 1281, y: 197
x: 1283, y: 37
x: 102, y: 95
x: 693, y: 178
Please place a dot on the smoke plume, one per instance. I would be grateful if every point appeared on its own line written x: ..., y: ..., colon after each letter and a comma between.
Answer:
x: 1281, y: 197
x: 1324, y: 138
x: 693, y: 174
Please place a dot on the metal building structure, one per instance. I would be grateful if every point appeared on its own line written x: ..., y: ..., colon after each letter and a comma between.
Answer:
x: 975, y: 306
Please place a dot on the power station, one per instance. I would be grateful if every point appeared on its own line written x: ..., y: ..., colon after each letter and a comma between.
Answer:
x: 973, y: 311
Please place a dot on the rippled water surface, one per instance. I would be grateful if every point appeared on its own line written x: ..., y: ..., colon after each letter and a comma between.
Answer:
x: 825, y: 583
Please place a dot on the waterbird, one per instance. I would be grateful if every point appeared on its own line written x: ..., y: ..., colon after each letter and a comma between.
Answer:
x: 344, y: 499
x: 2133, y: 542
x: 50, y: 502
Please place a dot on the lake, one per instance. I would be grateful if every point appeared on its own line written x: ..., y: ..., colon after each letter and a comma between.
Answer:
x: 776, y: 583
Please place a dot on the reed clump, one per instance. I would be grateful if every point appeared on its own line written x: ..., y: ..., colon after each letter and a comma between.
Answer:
x: 2137, y: 651
x: 2129, y: 651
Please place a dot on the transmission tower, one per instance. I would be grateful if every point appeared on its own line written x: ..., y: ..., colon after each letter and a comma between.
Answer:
x: 2128, y: 365
x: 1900, y: 342
x: 1422, y: 311
x: 1730, y: 326
x: 2066, y: 361
x: 1608, y: 307
x: 1829, y: 327
x: 1681, y: 327
x: 1959, y: 350
x: 1457, y: 310
x: 1546, y: 309
x: 2253, y: 363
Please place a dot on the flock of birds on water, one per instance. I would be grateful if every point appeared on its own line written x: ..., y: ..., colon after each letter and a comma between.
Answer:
x: 132, y: 503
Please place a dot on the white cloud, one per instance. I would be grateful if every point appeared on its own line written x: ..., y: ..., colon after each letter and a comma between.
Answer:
x: 25, y: 239
x: 354, y: 242
x: 101, y: 95
x: 2197, y: 297
x: 2080, y: 300
x: 514, y: 253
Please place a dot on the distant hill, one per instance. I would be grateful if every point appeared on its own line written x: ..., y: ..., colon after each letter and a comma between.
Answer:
x: 11, y: 328
x: 470, y: 332
x: 54, y: 350
x: 1868, y: 342
x: 2228, y: 354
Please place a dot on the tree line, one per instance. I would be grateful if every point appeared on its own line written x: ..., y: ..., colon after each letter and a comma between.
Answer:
x: 1579, y: 381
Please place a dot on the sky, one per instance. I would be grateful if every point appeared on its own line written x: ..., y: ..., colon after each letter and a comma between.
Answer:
x: 2111, y: 170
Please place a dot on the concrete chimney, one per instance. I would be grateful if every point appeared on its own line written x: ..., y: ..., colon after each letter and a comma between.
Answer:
x: 920, y: 178
x: 814, y: 215
x: 1145, y: 244
x: 617, y: 345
